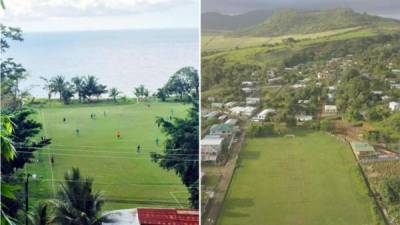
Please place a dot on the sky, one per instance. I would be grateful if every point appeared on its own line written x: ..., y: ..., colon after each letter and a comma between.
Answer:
x: 384, y: 8
x: 78, y: 15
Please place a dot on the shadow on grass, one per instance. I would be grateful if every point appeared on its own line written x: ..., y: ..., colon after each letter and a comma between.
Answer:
x: 250, y: 155
x: 233, y: 204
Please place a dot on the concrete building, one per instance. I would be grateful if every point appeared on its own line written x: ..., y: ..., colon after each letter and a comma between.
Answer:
x: 363, y: 150
x: 222, y: 129
x: 394, y: 106
x: 252, y: 101
x: 230, y: 104
x: 211, y: 147
x: 263, y: 114
x: 330, y: 109
x: 243, y: 111
x: 303, y: 118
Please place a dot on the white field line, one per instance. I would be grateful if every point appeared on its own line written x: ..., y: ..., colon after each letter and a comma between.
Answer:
x: 49, y: 159
x: 177, y: 201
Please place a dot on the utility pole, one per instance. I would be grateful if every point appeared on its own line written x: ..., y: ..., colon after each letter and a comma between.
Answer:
x: 27, y: 197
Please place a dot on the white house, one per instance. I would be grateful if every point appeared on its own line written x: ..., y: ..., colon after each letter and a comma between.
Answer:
x: 263, y: 114
x: 212, y: 115
x: 217, y: 105
x: 222, y: 117
x: 394, y: 106
x: 232, y: 122
x: 330, y: 109
x: 243, y: 111
x: 247, y: 83
x: 211, y: 147
x: 252, y: 101
x: 247, y: 90
x: 303, y: 118
x: 230, y: 104
x: 296, y: 86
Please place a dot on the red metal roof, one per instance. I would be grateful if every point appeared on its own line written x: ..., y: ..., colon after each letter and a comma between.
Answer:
x: 168, y: 216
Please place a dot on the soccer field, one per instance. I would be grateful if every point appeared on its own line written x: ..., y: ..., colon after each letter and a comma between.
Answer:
x: 128, y: 178
x: 311, y: 179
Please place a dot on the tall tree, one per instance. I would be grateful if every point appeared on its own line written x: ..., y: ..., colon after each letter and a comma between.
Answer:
x: 59, y: 84
x: 181, y: 150
x: 79, y: 85
x: 140, y: 92
x: 48, y: 86
x: 183, y: 82
x: 77, y: 203
x: 114, y: 92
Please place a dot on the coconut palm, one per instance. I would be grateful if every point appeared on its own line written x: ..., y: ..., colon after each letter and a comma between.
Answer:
x: 79, y: 85
x: 140, y: 92
x: 58, y: 83
x: 40, y: 215
x: 114, y: 92
x: 48, y: 86
x: 77, y: 204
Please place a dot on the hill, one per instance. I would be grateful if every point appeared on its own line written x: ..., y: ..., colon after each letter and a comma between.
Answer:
x: 285, y: 22
x: 217, y: 22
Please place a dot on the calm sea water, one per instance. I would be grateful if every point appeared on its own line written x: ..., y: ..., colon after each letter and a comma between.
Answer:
x: 121, y: 59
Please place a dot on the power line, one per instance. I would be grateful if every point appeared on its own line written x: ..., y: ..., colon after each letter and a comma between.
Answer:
x: 91, y: 151
x: 109, y: 157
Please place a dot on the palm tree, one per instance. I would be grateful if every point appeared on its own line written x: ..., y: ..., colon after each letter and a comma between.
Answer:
x: 114, y: 93
x: 77, y: 204
x: 58, y: 83
x: 140, y: 91
x: 40, y: 215
x: 48, y: 86
x: 79, y: 84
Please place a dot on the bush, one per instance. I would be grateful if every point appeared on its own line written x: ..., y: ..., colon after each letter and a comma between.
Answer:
x: 327, y: 125
x: 258, y: 130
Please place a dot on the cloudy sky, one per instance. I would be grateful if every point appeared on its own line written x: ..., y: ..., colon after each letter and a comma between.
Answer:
x: 386, y: 8
x: 64, y: 15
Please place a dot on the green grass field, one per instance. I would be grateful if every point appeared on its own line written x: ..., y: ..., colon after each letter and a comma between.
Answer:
x: 128, y: 179
x: 311, y: 179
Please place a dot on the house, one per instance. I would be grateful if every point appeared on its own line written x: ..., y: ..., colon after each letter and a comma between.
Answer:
x: 222, y: 129
x: 378, y: 93
x: 303, y: 118
x: 232, y: 122
x: 394, y: 106
x: 303, y: 101
x: 222, y: 117
x: 252, y: 101
x: 217, y: 105
x: 243, y: 111
x: 330, y: 109
x: 230, y: 104
x: 247, y: 90
x: 153, y: 216
x: 363, y: 150
x: 247, y: 83
x: 211, y: 147
x: 332, y: 88
x: 263, y: 114
x: 395, y: 70
x: 276, y: 80
x: 212, y: 115
x: 395, y: 86
x: 296, y: 86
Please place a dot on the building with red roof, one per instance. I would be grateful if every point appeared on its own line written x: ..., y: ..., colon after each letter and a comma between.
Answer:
x: 154, y: 216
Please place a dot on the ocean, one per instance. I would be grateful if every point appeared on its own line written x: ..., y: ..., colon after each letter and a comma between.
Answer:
x: 123, y: 59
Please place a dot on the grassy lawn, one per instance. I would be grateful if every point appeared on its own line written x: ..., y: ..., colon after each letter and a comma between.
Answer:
x: 128, y: 178
x: 311, y: 179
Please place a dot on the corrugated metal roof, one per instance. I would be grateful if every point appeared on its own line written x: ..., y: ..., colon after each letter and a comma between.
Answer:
x: 168, y: 216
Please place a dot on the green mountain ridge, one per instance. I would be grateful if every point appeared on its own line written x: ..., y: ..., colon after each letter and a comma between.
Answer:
x: 218, y: 22
x: 285, y: 22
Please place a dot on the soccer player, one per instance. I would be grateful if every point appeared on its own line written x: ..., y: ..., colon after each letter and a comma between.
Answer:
x: 77, y: 131
x: 138, y: 149
x: 64, y: 119
x: 118, y: 134
x: 157, y: 141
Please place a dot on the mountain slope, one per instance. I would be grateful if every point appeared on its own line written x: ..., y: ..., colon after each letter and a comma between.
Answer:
x: 217, y: 22
x: 286, y: 22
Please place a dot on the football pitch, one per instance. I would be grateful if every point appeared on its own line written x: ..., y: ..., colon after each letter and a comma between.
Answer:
x: 127, y: 177
x: 311, y: 179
